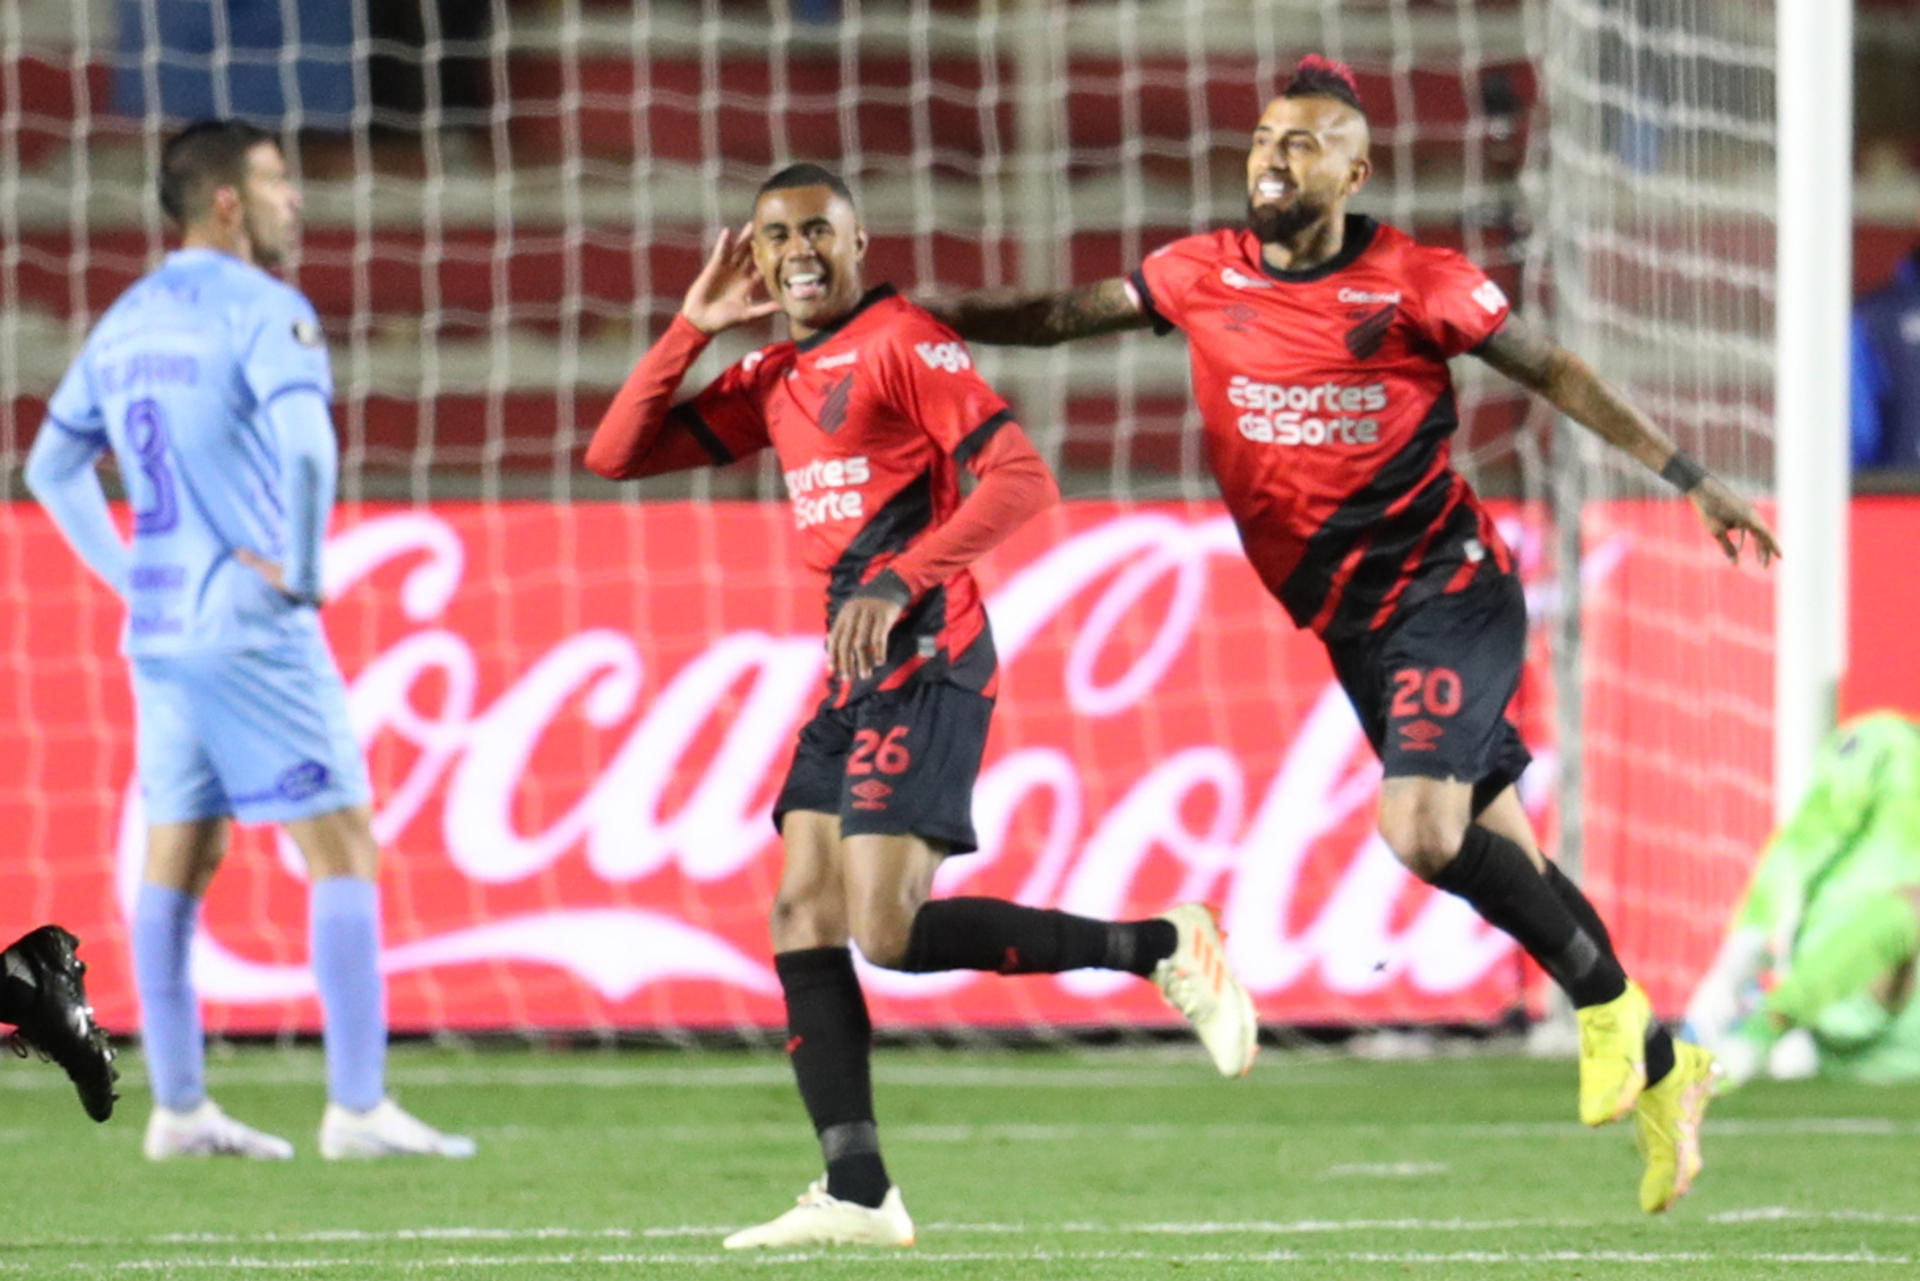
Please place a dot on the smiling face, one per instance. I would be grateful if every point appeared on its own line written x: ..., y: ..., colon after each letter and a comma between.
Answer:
x: 1308, y: 156
x: 808, y: 244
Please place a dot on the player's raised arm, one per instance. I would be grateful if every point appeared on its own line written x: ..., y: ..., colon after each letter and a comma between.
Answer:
x: 1006, y: 317
x: 1536, y: 362
x: 630, y: 440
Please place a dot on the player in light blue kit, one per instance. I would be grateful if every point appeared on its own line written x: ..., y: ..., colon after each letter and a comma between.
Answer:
x: 209, y: 382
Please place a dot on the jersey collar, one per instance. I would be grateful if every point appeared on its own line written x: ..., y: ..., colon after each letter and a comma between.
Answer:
x: 879, y: 293
x: 1360, y: 231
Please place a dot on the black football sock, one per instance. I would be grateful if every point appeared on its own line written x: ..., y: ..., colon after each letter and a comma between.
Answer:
x: 830, y: 1043
x: 1007, y: 938
x: 1659, y: 1040
x: 1497, y: 877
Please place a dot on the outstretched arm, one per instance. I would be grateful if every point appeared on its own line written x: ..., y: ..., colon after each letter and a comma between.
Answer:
x: 1009, y: 318
x: 1541, y: 365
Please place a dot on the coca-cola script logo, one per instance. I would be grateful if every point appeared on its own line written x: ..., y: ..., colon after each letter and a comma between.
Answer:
x: 1162, y: 735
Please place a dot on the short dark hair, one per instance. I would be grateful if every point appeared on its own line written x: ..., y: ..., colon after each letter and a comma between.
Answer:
x: 805, y: 175
x: 1315, y: 76
x: 202, y: 158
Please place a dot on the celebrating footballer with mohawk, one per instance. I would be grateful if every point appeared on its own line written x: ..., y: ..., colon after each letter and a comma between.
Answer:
x: 873, y: 408
x: 1327, y: 419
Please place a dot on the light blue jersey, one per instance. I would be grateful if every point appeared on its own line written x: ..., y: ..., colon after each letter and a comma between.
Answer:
x: 177, y: 379
x: 209, y: 382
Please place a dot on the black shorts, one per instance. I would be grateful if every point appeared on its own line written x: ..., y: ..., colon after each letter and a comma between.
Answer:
x: 1432, y: 687
x: 894, y: 763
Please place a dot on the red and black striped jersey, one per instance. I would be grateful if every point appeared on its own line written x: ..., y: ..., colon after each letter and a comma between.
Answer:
x: 872, y: 420
x: 1328, y: 413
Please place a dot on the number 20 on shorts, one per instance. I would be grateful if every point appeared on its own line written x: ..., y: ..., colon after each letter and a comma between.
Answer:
x: 871, y: 752
x: 1433, y: 692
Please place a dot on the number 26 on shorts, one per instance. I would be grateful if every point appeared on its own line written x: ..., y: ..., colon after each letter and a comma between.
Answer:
x: 871, y: 752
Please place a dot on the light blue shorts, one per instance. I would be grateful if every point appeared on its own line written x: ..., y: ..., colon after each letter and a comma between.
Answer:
x: 259, y: 734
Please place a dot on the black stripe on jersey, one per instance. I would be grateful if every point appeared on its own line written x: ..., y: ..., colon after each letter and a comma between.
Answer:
x: 1382, y: 566
x: 1306, y: 588
x: 890, y: 529
x: 689, y: 420
x: 1161, y: 325
x: 977, y: 438
x: 1384, y: 562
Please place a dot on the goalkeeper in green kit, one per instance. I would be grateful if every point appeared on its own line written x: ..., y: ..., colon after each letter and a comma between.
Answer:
x: 1833, y: 915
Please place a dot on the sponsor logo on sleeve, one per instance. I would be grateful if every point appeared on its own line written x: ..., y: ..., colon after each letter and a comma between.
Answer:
x: 950, y: 356
x: 1490, y: 297
x: 308, y: 334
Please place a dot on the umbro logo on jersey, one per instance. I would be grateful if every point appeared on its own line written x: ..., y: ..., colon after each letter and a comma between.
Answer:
x: 834, y: 362
x: 1241, y: 280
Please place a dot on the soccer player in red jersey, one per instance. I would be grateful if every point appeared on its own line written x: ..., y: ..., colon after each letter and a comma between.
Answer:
x: 873, y: 407
x: 1318, y: 342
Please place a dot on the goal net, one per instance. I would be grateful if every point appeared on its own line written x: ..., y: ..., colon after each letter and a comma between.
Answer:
x: 578, y: 699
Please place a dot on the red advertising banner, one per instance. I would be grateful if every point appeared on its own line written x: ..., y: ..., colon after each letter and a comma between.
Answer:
x: 577, y: 718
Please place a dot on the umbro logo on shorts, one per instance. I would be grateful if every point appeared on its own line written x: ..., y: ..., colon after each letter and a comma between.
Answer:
x: 1419, y: 736
x: 870, y: 794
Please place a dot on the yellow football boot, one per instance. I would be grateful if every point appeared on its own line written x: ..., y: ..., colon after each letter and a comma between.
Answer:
x: 1613, y: 1055
x: 1666, y: 1123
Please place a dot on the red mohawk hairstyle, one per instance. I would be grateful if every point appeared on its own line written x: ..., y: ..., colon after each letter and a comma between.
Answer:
x: 1315, y: 76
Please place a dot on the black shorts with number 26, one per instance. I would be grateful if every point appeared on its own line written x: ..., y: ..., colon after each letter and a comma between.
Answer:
x: 893, y: 762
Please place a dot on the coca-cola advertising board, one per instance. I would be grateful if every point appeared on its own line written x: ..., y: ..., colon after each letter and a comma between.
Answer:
x: 578, y: 716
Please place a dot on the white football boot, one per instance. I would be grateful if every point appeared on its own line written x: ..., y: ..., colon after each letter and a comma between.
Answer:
x: 1197, y: 982
x: 819, y: 1219
x: 385, y: 1130
x: 207, y: 1131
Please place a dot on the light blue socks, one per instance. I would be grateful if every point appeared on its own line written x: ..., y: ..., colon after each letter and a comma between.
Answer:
x: 163, y: 923
x: 345, y: 947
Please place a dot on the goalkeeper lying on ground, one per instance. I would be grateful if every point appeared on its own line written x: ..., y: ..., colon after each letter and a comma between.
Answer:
x: 1833, y: 914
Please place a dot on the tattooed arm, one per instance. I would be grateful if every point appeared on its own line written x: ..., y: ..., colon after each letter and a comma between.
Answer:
x: 1541, y: 365
x: 1008, y: 318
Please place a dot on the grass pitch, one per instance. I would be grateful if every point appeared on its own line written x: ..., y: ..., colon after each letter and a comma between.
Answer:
x: 1097, y: 1164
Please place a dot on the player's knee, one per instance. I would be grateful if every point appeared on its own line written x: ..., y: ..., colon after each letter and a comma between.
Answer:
x: 883, y: 936
x: 1424, y: 838
x: 803, y: 920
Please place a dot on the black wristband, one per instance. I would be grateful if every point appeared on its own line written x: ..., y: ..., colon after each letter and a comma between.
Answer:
x: 1682, y: 472
x: 885, y: 585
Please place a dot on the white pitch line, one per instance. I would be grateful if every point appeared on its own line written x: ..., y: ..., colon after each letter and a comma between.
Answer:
x: 895, y: 1260
x: 1200, y: 1228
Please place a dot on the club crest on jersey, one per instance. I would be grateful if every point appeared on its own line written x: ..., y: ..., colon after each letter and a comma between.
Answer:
x: 833, y: 410
x: 1364, y: 339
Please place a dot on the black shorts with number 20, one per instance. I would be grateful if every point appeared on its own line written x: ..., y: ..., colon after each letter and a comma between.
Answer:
x: 892, y: 763
x: 1432, y: 686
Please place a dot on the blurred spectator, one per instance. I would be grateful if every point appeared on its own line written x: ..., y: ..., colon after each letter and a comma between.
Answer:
x: 1886, y: 371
